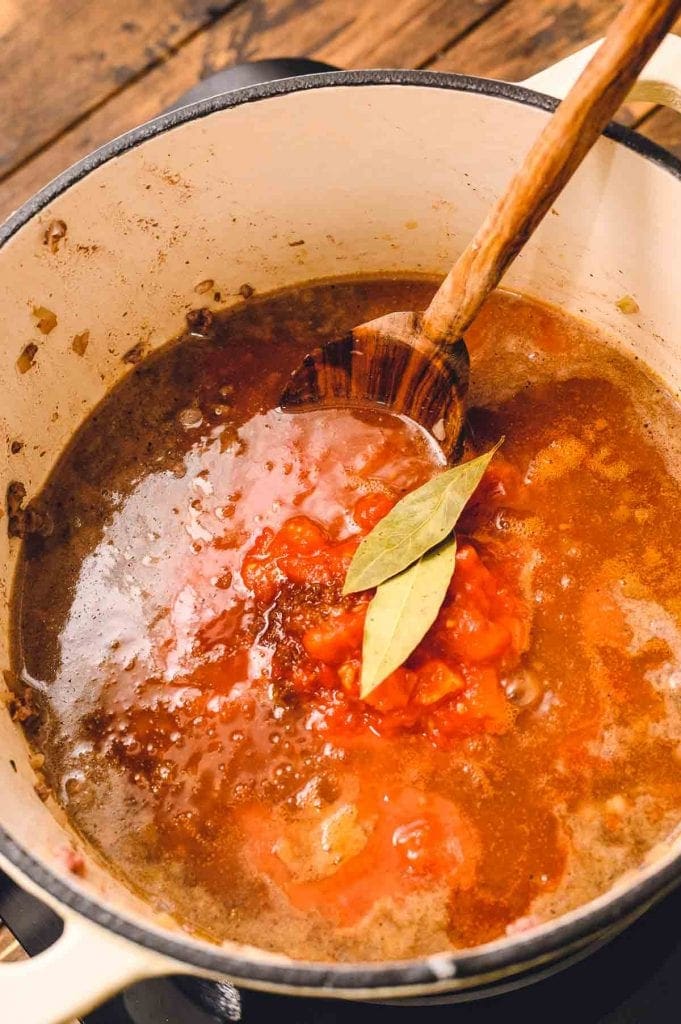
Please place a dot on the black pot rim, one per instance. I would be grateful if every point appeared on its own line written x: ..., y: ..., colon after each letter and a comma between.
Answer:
x: 399, y: 977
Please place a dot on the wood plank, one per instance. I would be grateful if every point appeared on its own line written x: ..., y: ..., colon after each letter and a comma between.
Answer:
x: 350, y: 33
x: 524, y: 37
x: 61, y: 58
x: 664, y: 127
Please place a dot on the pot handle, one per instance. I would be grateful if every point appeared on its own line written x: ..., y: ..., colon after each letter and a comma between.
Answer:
x: 659, y: 82
x: 85, y: 966
x: 254, y: 72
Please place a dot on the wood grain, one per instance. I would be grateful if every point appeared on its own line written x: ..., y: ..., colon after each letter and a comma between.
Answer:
x: 389, y: 362
x: 59, y: 59
x: 526, y: 36
x: 350, y: 33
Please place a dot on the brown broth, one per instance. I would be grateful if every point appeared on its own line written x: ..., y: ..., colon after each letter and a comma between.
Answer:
x: 162, y: 752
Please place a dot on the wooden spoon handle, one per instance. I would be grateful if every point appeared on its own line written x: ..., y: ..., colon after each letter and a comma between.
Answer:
x: 550, y: 163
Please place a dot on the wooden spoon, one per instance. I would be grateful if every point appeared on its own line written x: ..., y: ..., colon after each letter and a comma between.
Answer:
x: 416, y: 363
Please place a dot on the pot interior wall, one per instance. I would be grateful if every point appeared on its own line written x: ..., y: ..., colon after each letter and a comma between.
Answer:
x: 323, y: 182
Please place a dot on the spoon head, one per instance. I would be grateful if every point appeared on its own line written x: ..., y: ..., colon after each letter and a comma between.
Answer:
x: 389, y: 363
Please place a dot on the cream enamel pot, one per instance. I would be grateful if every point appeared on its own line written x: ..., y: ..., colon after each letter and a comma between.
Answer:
x: 376, y: 171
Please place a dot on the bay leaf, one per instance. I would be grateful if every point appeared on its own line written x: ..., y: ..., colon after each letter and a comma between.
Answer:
x: 416, y: 524
x: 402, y: 611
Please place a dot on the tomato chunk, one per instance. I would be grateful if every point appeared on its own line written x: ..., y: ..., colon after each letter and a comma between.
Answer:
x: 484, y: 708
x: 394, y: 692
x: 259, y: 572
x: 436, y: 680
x: 370, y: 509
x: 336, y: 638
x: 299, y: 535
x: 410, y: 838
x: 449, y: 686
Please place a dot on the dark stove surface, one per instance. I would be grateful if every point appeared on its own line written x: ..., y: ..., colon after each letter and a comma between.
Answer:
x: 636, y: 979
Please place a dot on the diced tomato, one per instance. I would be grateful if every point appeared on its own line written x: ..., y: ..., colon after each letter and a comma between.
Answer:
x: 336, y: 637
x: 259, y: 572
x: 298, y: 535
x: 502, y: 484
x: 394, y: 692
x: 473, y: 638
x: 519, y: 630
x: 328, y: 565
x: 304, y: 569
x: 448, y: 688
x: 348, y: 673
x: 437, y: 681
x: 263, y: 542
x: 487, y: 701
x: 471, y: 576
x: 301, y: 552
x: 479, y: 623
x: 483, y: 708
x: 261, y: 578
x: 309, y: 678
x: 371, y: 508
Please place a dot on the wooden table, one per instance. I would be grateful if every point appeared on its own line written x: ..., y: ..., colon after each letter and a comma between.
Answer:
x: 75, y: 73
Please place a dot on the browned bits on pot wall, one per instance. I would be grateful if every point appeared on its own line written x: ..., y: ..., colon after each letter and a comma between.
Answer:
x: 27, y: 357
x: 246, y: 291
x: 31, y: 520
x: 190, y: 418
x: 20, y: 706
x: 54, y: 235
x: 16, y: 447
x: 16, y: 492
x: 80, y: 343
x: 199, y: 321
x: 134, y: 355
x: 47, y: 320
x: 628, y: 304
x: 75, y: 862
x: 204, y: 286
x: 23, y: 521
x: 42, y: 790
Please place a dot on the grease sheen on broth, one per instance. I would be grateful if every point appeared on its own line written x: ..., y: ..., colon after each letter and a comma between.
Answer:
x: 211, y: 746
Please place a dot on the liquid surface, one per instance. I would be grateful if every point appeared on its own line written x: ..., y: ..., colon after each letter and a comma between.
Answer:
x: 198, y: 708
